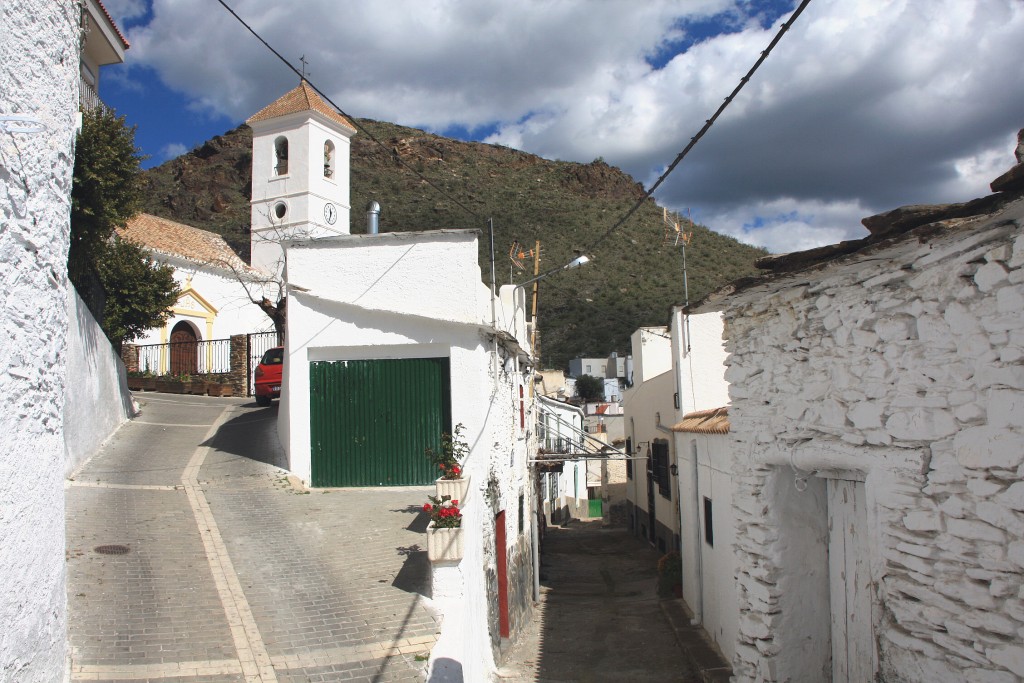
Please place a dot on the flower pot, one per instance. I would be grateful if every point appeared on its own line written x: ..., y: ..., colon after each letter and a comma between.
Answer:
x: 219, y: 389
x: 197, y: 387
x: 135, y: 384
x: 444, y: 545
x: 147, y: 383
x: 456, y: 488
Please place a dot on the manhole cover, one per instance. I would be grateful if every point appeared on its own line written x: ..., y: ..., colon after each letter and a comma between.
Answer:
x: 112, y: 549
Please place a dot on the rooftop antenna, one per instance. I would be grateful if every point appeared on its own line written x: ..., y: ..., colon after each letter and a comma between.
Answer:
x: 677, y: 237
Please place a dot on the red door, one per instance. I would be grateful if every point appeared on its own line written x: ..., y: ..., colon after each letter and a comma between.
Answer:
x: 183, y: 350
x: 499, y: 542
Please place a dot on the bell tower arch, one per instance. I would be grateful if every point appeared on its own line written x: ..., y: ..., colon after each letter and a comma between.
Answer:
x: 300, y: 173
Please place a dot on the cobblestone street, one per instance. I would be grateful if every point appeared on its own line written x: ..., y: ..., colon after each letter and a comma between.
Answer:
x: 224, y: 571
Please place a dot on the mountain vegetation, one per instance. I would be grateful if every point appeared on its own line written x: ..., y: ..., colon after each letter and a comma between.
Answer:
x: 636, y: 274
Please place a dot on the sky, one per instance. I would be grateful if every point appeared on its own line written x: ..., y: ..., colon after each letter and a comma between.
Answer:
x: 864, y: 106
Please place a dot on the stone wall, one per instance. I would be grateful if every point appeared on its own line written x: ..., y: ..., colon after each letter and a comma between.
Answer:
x: 39, y: 56
x: 902, y: 369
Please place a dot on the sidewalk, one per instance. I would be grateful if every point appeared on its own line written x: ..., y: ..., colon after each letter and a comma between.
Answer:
x: 192, y: 559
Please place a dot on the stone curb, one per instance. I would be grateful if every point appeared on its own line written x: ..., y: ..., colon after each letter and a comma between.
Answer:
x: 709, y: 664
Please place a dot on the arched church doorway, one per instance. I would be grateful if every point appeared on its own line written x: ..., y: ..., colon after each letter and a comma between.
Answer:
x: 184, y: 346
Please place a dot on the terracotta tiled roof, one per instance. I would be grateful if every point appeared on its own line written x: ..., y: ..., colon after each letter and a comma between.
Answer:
x: 164, y: 236
x: 715, y: 421
x: 124, y: 41
x: 302, y: 98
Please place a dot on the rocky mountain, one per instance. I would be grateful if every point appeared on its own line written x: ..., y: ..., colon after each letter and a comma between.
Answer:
x: 636, y: 274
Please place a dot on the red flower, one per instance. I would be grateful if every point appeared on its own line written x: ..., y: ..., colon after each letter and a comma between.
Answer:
x: 427, y: 507
x: 455, y: 503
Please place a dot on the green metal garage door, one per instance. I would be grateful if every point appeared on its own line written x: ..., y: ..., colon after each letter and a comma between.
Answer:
x: 370, y: 420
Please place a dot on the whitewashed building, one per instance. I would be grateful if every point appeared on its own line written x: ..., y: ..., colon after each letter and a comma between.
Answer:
x: 217, y: 287
x: 563, y: 478
x: 652, y: 498
x: 39, y: 69
x: 704, y: 458
x: 385, y: 350
x: 877, y: 415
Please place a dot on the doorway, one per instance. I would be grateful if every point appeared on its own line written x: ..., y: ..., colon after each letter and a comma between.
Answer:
x: 184, y: 347
x: 854, y: 658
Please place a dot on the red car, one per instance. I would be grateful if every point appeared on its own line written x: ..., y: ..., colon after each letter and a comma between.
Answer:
x: 268, y: 376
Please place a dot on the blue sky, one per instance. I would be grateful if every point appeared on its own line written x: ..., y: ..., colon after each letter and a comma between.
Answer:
x: 863, y: 106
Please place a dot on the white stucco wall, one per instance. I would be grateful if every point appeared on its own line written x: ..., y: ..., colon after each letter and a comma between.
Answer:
x: 709, y: 584
x: 901, y: 368
x: 698, y: 353
x: 649, y: 414
x: 100, y: 402
x: 39, y: 44
x: 651, y: 352
x: 396, y: 301
x: 569, y: 489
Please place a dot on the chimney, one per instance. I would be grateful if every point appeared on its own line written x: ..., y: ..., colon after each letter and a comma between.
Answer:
x: 372, y: 218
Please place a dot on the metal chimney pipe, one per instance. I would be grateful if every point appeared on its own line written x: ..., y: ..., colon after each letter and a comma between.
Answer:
x: 372, y: 218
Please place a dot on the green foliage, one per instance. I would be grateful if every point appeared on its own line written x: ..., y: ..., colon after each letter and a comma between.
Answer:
x: 125, y: 290
x: 590, y: 388
x: 105, y: 191
x: 139, y: 292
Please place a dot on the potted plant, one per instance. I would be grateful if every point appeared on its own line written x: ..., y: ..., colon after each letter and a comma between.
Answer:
x: 444, y: 533
x: 196, y: 387
x: 147, y: 382
x: 219, y: 387
x: 135, y: 381
x: 670, y: 575
x: 448, y: 459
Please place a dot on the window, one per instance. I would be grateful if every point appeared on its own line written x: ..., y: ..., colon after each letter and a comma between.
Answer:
x: 522, y: 511
x: 328, y: 159
x: 281, y: 156
x: 660, y: 466
x: 709, y: 527
x: 280, y: 209
x: 629, y: 452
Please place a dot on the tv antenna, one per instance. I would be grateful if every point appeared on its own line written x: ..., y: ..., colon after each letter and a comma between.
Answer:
x: 678, y: 237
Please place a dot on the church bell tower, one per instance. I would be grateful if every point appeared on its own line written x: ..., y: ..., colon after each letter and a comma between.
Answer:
x: 300, y: 174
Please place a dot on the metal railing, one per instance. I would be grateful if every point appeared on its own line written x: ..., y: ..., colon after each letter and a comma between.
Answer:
x: 88, y: 97
x: 211, y: 356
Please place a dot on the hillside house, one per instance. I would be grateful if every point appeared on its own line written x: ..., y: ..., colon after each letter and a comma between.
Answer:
x: 877, y: 422
x: 563, y: 474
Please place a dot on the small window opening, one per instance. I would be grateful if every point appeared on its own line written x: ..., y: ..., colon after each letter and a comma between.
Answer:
x: 281, y: 156
x: 280, y: 209
x: 328, y: 159
x: 709, y: 527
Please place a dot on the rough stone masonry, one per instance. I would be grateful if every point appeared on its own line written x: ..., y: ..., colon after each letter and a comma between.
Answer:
x: 898, y: 366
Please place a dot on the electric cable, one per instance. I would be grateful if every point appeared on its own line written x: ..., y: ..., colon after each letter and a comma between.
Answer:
x: 707, y: 126
x: 352, y: 119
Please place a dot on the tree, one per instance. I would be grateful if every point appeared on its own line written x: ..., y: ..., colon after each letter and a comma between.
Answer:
x: 590, y: 388
x: 126, y: 292
x: 139, y: 292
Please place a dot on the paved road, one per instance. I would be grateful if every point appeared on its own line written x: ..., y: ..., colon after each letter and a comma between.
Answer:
x: 229, y: 573
x: 600, y: 619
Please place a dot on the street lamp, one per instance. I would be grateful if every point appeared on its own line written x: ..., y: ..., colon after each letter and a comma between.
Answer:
x: 575, y: 263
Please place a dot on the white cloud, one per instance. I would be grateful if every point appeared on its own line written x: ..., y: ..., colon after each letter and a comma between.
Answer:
x: 172, y: 150
x: 866, y: 105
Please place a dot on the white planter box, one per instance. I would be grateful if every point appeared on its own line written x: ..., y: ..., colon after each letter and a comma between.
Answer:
x: 444, y: 544
x: 456, y: 488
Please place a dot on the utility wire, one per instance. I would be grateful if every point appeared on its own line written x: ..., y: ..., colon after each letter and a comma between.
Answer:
x: 355, y: 123
x: 707, y: 126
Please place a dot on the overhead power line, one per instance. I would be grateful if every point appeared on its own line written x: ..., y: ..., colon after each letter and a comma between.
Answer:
x: 359, y: 126
x: 707, y: 126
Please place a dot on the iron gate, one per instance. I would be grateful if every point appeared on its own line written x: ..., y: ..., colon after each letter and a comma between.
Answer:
x: 258, y: 343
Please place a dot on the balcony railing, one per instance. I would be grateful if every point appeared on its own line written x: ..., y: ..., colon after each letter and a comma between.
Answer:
x: 88, y: 97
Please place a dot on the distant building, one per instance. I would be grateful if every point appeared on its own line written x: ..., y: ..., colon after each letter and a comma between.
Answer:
x: 103, y: 44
